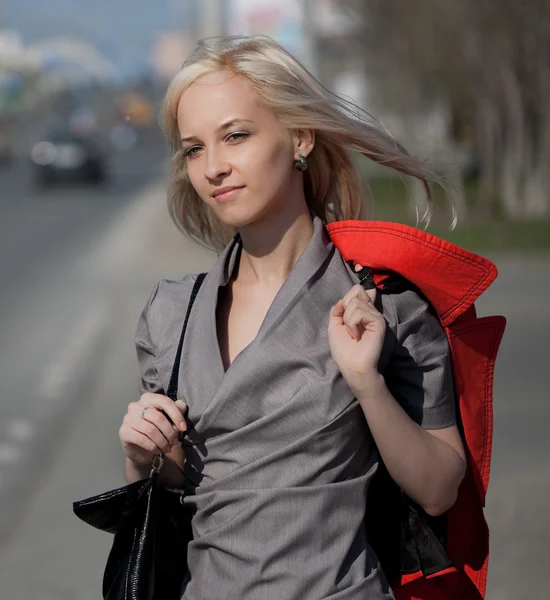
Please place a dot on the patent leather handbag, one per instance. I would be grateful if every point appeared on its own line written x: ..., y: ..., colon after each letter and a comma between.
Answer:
x: 151, y: 526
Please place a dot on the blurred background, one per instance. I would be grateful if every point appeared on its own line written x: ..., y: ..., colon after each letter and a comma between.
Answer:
x: 85, y: 234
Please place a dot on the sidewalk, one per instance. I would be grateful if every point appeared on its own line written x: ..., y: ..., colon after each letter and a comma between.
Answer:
x: 52, y: 555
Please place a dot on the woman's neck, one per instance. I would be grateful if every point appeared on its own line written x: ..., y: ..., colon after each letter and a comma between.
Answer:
x: 270, y: 252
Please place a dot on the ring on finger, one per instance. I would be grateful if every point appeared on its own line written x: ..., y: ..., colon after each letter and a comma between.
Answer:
x: 143, y: 411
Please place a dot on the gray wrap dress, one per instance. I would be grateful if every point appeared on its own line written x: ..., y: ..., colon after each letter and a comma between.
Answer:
x: 279, y: 455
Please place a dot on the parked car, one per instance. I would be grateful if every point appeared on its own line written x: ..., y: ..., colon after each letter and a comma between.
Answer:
x: 7, y: 152
x: 68, y: 156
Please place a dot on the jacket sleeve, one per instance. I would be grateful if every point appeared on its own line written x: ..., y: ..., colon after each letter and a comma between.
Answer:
x: 146, y: 349
x: 417, y: 362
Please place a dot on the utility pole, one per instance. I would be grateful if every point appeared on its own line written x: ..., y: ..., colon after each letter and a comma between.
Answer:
x: 210, y: 18
x: 310, y: 50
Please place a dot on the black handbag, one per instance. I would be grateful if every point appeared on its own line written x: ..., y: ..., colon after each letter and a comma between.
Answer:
x: 151, y: 526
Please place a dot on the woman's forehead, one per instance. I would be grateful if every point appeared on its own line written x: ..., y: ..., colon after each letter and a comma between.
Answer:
x: 218, y: 97
x: 219, y: 89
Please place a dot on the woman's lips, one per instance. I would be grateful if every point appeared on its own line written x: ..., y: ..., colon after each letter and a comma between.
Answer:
x: 228, y: 195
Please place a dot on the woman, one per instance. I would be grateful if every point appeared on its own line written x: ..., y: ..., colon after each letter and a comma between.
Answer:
x: 281, y: 371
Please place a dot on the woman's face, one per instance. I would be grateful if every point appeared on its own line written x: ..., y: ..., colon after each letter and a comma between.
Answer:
x: 239, y: 158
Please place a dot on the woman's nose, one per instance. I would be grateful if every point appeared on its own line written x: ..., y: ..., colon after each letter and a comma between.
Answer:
x: 216, y: 166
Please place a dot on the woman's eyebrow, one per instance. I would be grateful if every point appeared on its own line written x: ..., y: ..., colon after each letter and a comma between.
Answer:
x: 230, y: 123
x: 222, y: 127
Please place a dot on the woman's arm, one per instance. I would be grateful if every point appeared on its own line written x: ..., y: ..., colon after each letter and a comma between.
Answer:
x: 410, y: 409
x: 144, y: 436
x: 427, y: 464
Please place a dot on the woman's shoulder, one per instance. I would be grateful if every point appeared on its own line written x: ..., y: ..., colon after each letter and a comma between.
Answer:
x: 405, y: 305
x: 410, y: 319
x: 168, y: 301
x: 402, y: 303
x: 172, y: 290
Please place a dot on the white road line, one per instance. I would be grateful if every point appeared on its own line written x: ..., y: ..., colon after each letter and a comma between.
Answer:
x: 111, y: 255
x: 9, y: 453
x: 72, y: 360
x: 121, y: 243
x: 20, y: 430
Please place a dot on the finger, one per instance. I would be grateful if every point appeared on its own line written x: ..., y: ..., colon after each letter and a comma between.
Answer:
x: 163, y: 403
x: 359, y: 316
x: 357, y: 291
x: 128, y: 435
x: 151, y: 423
x: 353, y: 306
x: 353, y: 318
x: 339, y: 310
x: 367, y: 310
x: 363, y: 301
x: 336, y: 314
x: 174, y: 412
x: 152, y: 432
x: 183, y: 408
x: 371, y: 294
x: 165, y: 426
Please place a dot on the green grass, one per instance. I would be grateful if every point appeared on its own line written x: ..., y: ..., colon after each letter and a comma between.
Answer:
x: 501, y: 237
x: 390, y: 203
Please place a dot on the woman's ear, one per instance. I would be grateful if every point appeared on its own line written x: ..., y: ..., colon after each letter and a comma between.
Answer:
x: 304, y: 141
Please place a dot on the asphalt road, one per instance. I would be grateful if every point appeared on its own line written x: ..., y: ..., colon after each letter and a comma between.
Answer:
x: 518, y: 502
x: 50, y: 554
x: 52, y: 302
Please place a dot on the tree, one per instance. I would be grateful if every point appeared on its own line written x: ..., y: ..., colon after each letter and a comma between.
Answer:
x: 489, y: 61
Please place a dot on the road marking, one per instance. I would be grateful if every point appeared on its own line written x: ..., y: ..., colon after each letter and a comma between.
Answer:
x: 117, y: 250
x: 9, y: 453
x: 111, y: 255
x: 20, y: 430
x: 73, y: 359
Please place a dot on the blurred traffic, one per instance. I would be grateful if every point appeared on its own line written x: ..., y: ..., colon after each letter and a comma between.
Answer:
x: 63, y: 155
x: 76, y: 135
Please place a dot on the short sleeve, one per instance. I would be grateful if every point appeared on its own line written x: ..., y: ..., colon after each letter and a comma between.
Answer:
x: 418, y: 370
x: 146, y: 349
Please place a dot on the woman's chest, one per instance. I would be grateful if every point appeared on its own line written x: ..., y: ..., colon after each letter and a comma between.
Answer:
x: 240, y: 312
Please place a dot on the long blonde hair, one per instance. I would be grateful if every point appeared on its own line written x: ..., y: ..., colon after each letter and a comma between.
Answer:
x: 332, y: 184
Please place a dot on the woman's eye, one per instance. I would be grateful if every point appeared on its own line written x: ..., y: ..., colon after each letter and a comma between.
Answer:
x: 237, y: 137
x: 190, y: 152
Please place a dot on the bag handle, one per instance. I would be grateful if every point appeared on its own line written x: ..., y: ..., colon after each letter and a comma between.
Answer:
x: 172, y: 391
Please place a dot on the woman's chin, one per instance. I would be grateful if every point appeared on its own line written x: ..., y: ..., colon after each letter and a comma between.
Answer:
x: 237, y: 217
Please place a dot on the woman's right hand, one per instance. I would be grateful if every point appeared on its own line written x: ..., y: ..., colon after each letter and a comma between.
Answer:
x: 145, y: 430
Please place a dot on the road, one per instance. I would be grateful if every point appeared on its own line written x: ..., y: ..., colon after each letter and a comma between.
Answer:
x: 52, y: 300
x: 518, y: 503
x: 100, y: 285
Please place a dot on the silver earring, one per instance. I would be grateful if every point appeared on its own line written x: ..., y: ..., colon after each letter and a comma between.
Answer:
x: 301, y: 164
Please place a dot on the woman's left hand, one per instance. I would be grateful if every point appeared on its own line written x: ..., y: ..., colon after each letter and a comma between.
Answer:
x: 356, y: 334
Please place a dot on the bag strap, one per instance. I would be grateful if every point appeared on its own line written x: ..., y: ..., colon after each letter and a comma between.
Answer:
x: 172, y: 391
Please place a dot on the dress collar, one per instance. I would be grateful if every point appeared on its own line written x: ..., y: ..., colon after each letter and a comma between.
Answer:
x: 315, y: 252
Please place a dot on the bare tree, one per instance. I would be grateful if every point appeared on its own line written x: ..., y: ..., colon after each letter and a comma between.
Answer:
x: 488, y: 60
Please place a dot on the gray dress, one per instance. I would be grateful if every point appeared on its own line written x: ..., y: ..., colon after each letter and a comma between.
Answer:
x: 279, y: 455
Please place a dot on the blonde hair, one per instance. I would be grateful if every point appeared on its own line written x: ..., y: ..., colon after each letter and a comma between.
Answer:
x: 332, y: 184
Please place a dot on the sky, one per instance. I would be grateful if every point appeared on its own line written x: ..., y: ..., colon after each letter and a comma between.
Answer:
x: 123, y: 30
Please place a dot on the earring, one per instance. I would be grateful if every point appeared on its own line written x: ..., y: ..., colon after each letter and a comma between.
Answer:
x: 301, y: 164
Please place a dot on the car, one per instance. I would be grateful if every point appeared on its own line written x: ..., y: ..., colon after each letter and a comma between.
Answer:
x: 7, y: 151
x: 7, y: 139
x: 64, y: 156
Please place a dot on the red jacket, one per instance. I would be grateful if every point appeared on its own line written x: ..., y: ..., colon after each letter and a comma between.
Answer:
x: 451, y: 279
